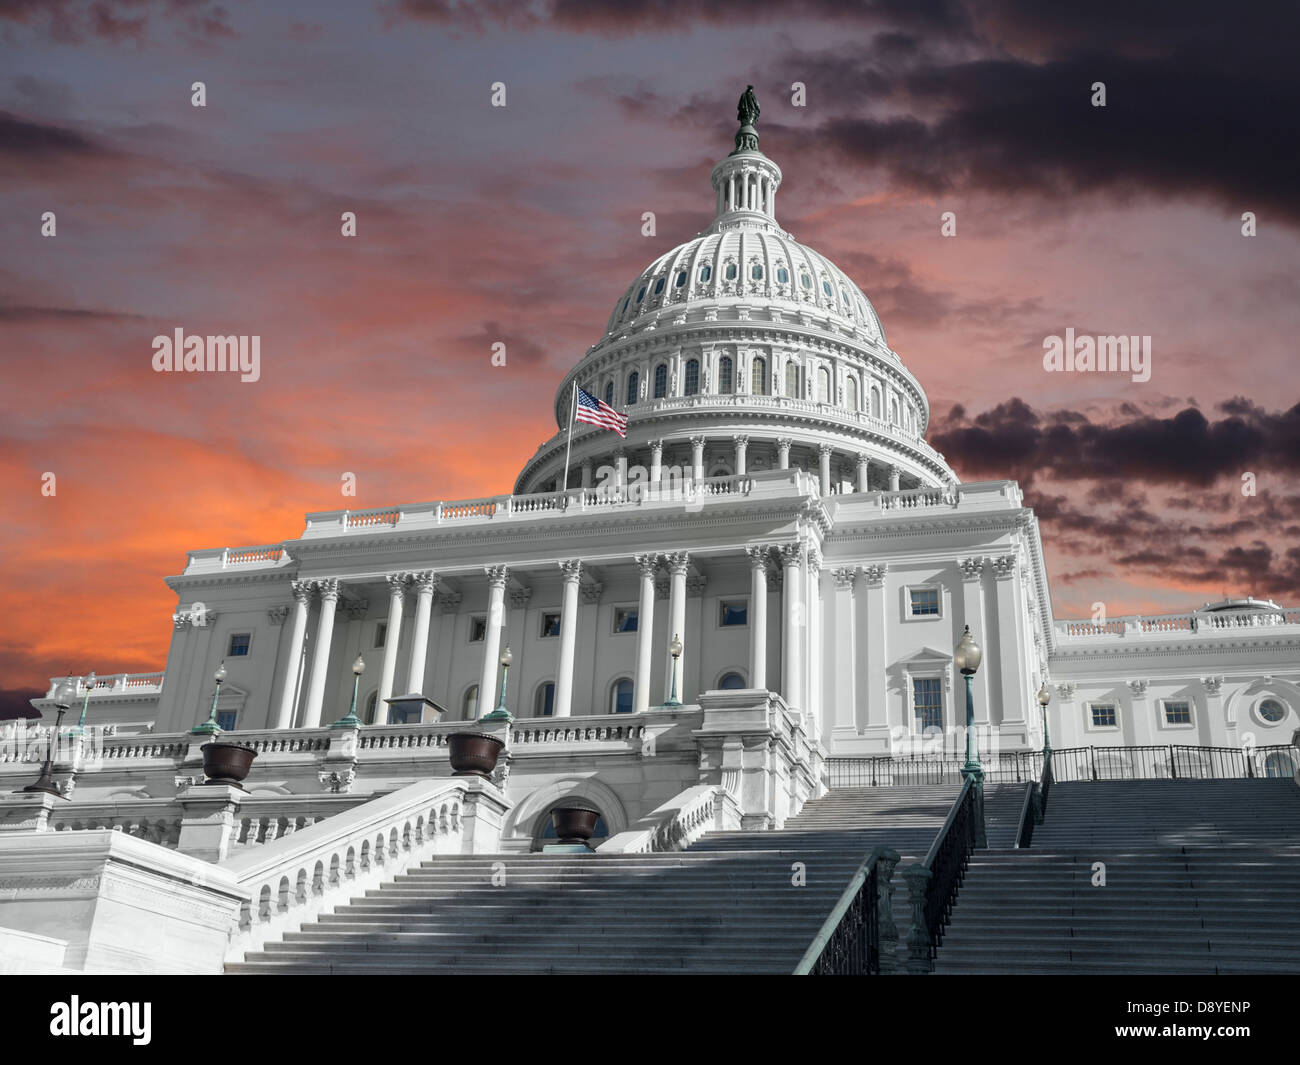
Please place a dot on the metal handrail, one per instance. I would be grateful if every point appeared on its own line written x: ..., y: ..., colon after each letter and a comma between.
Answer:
x: 946, y: 862
x: 1025, y: 830
x: 839, y: 947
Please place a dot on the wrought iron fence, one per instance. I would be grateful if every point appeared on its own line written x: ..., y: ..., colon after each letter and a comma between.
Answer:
x: 947, y: 861
x: 1172, y: 762
x: 848, y: 943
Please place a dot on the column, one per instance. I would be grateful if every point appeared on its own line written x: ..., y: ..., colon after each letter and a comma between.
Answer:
x: 697, y: 458
x: 678, y: 563
x: 824, y: 454
x: 893, y: 478
x: 783, y: 453
x: 864, y: 472
x: 792, y: 625
x: 425, y: 584
x: 742, y: 447
x: 1007, y: 711
x: 487, y: 686
x: 329, y: 601
x: 392, y: 637
x: 873, y: 641
x: 974, y: 615
x: 757, y: 616
x: 840, y: 655
x: 293, y: 656
x: 656, y: 465
x: 646, y: 566
x: 586, y: 473
x: 572, y: 569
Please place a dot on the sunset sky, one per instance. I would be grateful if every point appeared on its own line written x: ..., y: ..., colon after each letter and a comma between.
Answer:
x: 522, y: 224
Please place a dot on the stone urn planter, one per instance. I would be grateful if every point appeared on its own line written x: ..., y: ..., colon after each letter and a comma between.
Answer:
x: 574, y: 824
x: 473, y: 754
x: 227, y: 763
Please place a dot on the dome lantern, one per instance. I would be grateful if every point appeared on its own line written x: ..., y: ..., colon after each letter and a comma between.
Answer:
x: 745, y: 182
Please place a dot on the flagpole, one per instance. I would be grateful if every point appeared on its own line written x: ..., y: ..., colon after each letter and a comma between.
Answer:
x: 568, y: 447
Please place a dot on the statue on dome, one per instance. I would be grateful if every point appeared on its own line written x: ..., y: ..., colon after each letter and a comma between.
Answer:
x: 747, y: 109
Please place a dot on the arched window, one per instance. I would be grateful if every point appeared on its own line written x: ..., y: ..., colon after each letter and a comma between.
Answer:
x: 875, y: 402
x: 620, y: 696
x: 371, y: 703
x: 851, y: 392
x: 661, y: 381
x: 633, y: 387
x: 731, y: 681
x: 544, y: 700
x: 792, y: 381
x: 806, y: 281
x: 469, y: 705
x: 893, y: 410
x: 609, y: 393
x: 826, y: 288
x: 692, y: 377
x: 824, y: 385
x: 758, y: 377
x: 782, y: 275
x: 725, y: 375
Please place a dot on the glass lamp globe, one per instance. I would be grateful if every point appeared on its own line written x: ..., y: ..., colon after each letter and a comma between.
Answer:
x: 220, y: 675
x: 1044, y: 696
x: 506, y: 656
x: 359, y: 666
x: 675, y: 648
x: 968, y: 654
x: 64, y: 694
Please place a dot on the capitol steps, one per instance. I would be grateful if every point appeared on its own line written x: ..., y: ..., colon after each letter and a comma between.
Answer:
x: 1201, y: 878
x: 735, y: 902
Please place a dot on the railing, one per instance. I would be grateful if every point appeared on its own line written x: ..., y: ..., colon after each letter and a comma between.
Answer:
x: 678, y: 823
x: 1196, y: 621
x: 292, y: 880
x: 1028, y: 816
x: 281, y: 741
x: 1006, y: 768
x: 933, y: 884
x: 849, y: 940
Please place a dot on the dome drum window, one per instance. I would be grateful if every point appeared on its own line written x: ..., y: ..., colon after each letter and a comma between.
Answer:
x: 706, y: 273
x: 659, y: 286
x: 756, y: 272
x: 661, y: 381
x: 692, y: 377
x: 681, y: 278
x: 782, y: 275
x: 731, y: 272
x: 633, y: 387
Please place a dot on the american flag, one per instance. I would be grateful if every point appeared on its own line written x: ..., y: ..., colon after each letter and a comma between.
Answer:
x: 592, y: 410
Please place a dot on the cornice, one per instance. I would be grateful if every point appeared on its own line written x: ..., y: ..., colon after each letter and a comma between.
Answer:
x: 1228, y: 642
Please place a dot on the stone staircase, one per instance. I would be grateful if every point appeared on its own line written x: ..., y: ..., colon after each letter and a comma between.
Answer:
x: 1201, y: 877
x: 729, y: 904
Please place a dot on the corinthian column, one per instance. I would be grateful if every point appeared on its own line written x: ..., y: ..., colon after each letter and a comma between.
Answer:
x: 824, y: 453
x: 329, y: 600
x: 678, y: 564
x: 864, y: 468
x: 392, y: 636
x: 646, y: 565
x: 572, y: 569
x: 757, y: 616
x: 793, y: 625
x: 487, y: 693
x: 425, y: 584
x: 293, y: 656
x: 742, y: 448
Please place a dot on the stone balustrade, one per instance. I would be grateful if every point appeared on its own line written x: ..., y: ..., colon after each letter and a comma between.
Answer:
x: 1198, y: 621
x: 678, y: 823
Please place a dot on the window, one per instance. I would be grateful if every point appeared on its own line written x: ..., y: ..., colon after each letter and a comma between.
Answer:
x: 826, y: 287
x: 844, y: 296
x: 371, y: 703
x: 692, y: 377
x: 725, y: 375
x: 1279, y: 764
x: 381, y: 633
x: 633, y: 387
x: 783, y: 275
x: 239, y: 642
x: 226, y: 720
x: 659, y: 286
x: 927, y: 701
x: 731, y: 272
x: 1178, y: 713
x: 477, y: 629
x: 851, y: 392
x: 733, y: 612
x: 756, y: 271
x: 609, y: 392
x: 792, y: 388
x: 1103, y: 715
x: 824, y: 385
x: 661, y: 381
x: 1270, y: 710
x: 405, y: 715
x: 469, y: 705
x: 544, y: 701
x: 806, y: 282
x: 550, y: 623
x: 758, y: 377
x: 923, y: 602
x: 640, y: 295
x: 620, y: 696
x: 706, y: 272
x: 875, y: 403
x: 681, y: 279
x: 893, y: 411
x: 624, y: 619
x: 731, y: 681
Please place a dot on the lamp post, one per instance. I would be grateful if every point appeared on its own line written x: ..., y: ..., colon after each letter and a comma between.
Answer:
x: 674, y: 649
x: 63, y: 696
x: 210, y: 726
x: 968, y: 657
x: 501, y: 713
x: 91, y: 681
x: 350, y: 720
x: 1045, y: 697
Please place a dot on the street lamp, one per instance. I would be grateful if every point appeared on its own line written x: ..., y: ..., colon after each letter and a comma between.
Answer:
x: 968, y: 657
x: 63, y: 696
x: 1045, y: 697
x: 210, y: 726
x: 501, y: 713
x: 351, y: 720
x: 91, y: 681
x: 674, y: 649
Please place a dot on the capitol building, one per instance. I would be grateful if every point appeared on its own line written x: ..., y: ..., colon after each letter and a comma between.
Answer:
x: 751, y: 598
